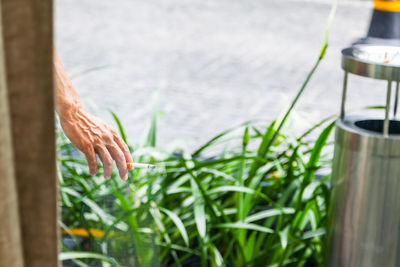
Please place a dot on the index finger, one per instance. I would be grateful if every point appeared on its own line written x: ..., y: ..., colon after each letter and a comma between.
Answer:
x: 124, y: 148
x: 118, y: 156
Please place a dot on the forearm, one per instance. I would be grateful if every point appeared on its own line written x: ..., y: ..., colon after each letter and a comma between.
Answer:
x: 88, y: 133
x: 67, y: 99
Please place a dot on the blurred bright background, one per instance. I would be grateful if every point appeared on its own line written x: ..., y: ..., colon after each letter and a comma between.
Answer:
x: 255, y: 196
x: 215, y: 64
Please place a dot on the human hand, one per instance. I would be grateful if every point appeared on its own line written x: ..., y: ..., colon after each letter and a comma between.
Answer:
x: 93, y: 136
x: 88, y: 133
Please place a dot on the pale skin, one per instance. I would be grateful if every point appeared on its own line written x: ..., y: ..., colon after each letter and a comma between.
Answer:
x: 88, y: 133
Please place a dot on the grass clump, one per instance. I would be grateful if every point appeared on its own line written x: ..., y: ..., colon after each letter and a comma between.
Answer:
x: 242, y: 206
x: 248, y: 197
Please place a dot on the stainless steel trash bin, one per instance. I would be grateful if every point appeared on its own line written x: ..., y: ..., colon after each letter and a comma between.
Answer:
x: 364, y: 220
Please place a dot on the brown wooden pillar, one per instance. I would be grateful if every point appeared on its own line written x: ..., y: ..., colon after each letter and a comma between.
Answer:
x: 27, y: 33
x: 10, y: 239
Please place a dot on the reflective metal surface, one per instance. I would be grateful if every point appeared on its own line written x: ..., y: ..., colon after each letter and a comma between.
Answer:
x: 364, y: 219
x: 374, y: 61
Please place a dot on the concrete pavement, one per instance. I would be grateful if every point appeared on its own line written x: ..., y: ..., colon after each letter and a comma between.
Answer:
x: 214, y: 63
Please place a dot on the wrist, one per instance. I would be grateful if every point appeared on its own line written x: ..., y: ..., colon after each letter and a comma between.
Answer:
x: 68, y: 107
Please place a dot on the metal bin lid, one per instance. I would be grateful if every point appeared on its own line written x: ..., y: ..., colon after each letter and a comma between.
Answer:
x: 374, y: 61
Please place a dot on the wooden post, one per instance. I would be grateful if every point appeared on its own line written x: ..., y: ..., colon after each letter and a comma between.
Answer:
x: 27, y: 32
x: 10, y: 239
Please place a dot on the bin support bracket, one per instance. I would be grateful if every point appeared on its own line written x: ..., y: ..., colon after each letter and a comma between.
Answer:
x: 387, y: 109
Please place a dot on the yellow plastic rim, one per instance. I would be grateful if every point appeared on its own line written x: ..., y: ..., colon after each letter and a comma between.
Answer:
x: 389, y: 6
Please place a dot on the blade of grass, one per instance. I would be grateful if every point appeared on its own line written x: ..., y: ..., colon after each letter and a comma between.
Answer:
x: 86, y: 255
x: 178, y: 223
x: 269, y: 141
x: 242, y: 225
x: 151, y: 140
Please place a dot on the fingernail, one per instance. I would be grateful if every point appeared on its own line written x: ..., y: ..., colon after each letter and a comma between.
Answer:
x: 125, y: 177
x: 106, y: 177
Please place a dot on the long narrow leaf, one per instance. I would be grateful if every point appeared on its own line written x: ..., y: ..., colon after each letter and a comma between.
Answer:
x: 178, y: 223
x: 248, y: 226
x: 86, y: 255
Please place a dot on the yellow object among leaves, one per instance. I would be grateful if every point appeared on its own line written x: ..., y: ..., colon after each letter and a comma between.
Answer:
x: 83, y: 232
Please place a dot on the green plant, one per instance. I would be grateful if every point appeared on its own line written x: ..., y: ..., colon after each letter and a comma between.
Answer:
x: 248, y: 197
x: 205, y: 208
